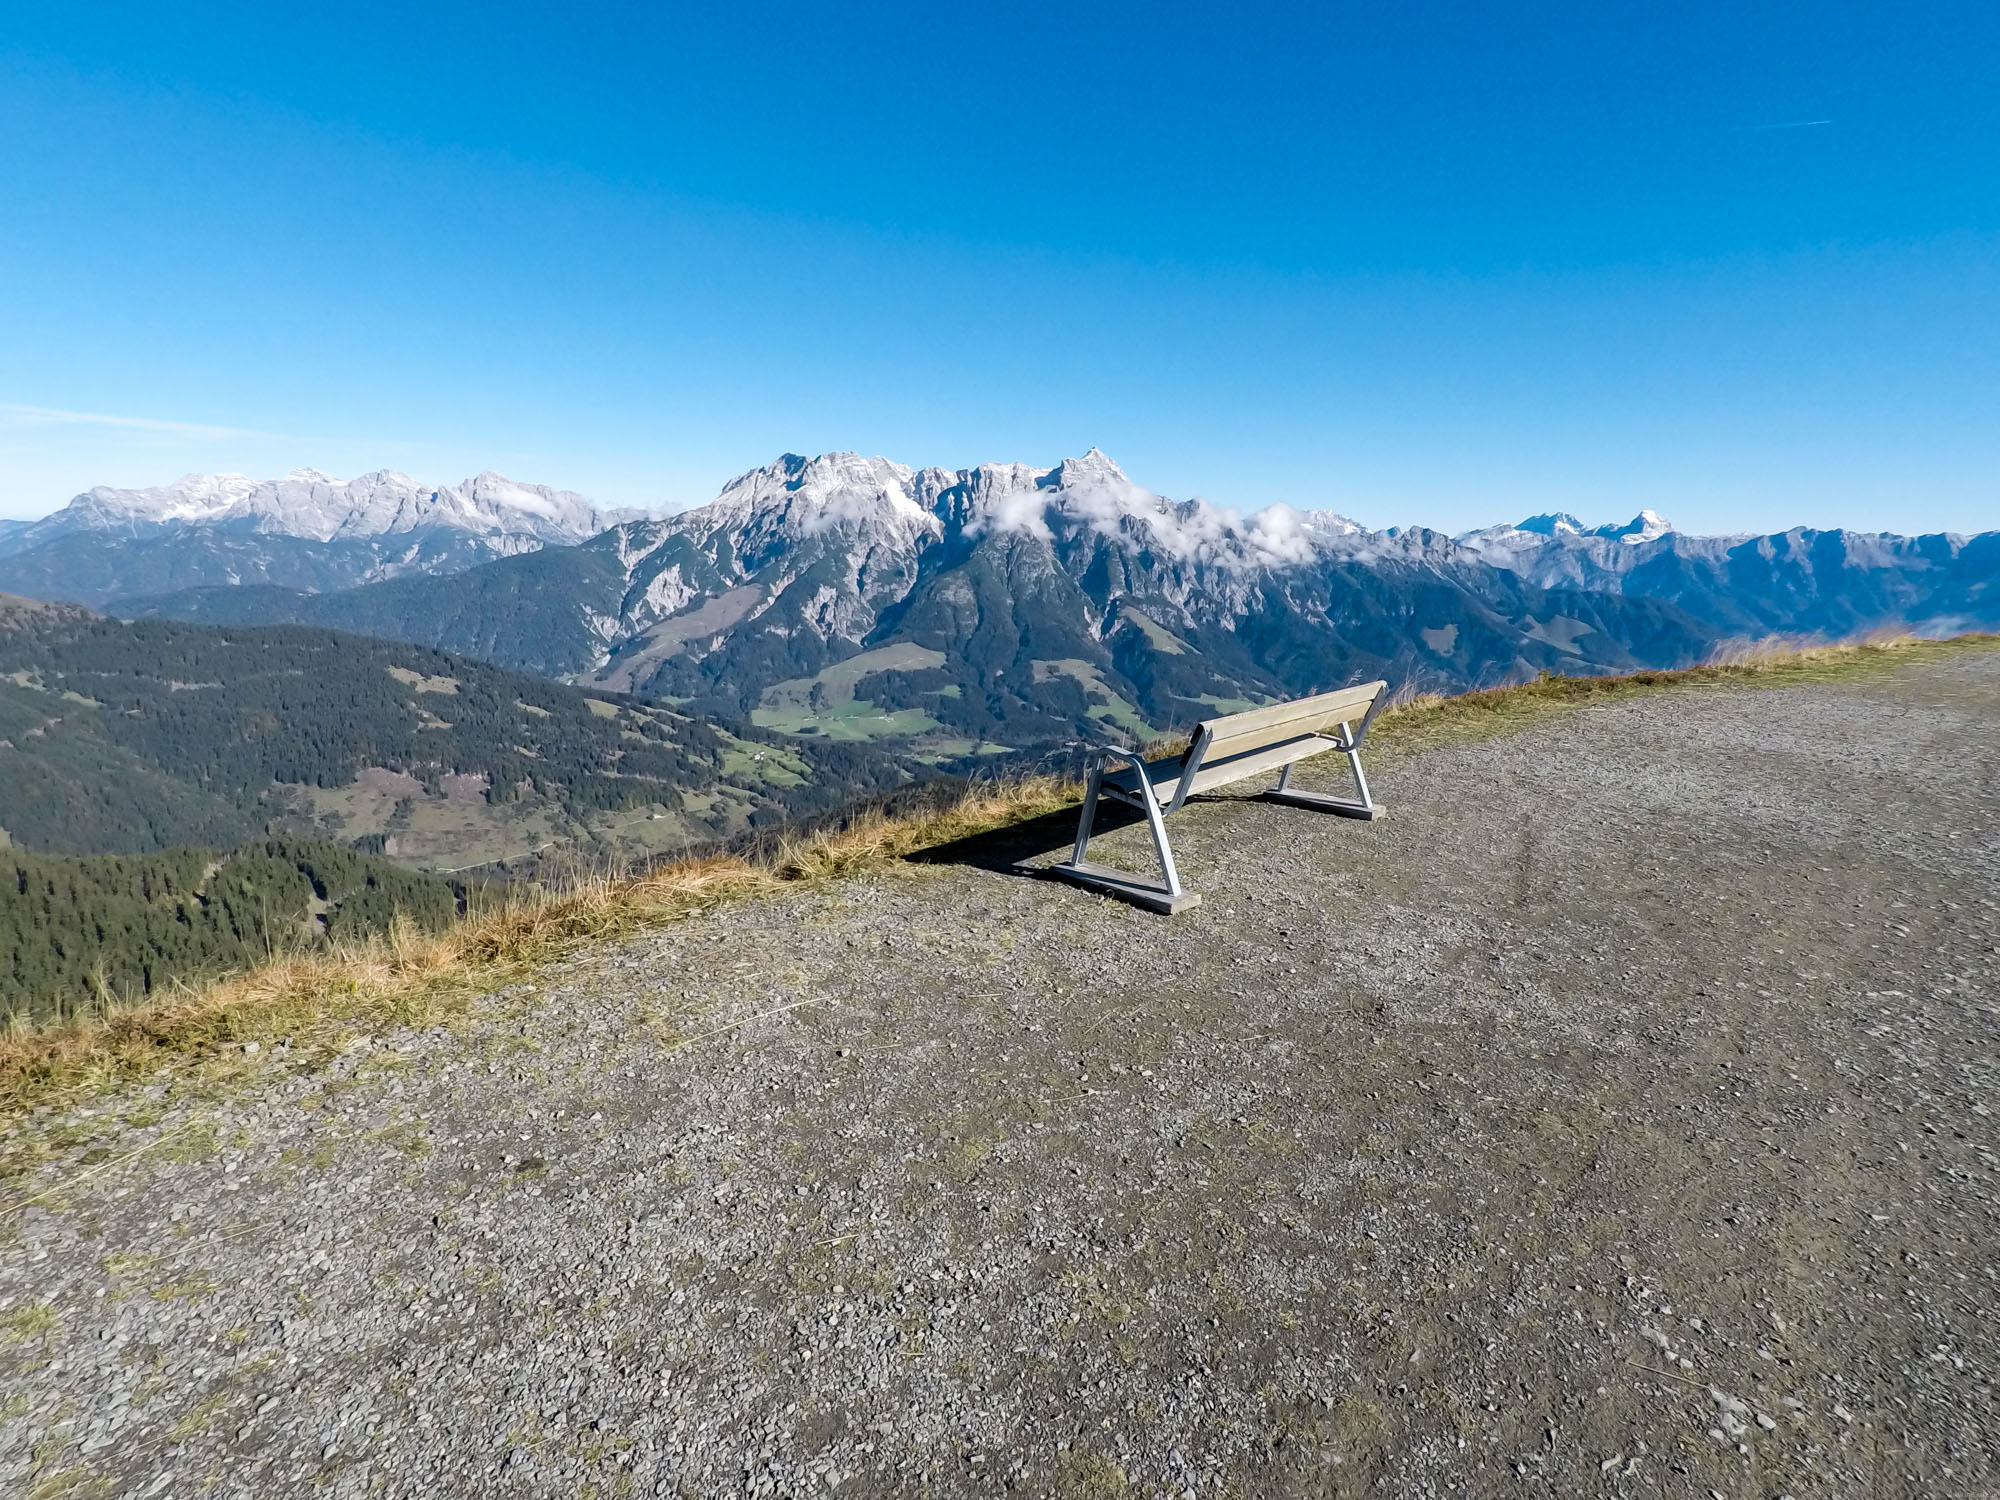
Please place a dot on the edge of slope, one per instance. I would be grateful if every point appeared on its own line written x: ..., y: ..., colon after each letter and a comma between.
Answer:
x: 298, y: 1010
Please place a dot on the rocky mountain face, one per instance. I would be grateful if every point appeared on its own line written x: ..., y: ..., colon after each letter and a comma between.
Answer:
x: 1007, y: 606
x: 304, y: 531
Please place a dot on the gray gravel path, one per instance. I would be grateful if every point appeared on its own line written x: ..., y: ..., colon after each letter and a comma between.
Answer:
x: 1614, y: 1118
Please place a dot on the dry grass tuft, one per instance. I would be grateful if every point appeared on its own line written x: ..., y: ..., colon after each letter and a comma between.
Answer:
x: 316, y: 1002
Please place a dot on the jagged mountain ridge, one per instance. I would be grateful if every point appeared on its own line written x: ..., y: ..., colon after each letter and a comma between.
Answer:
x: 1644, y: 527
x: 1008, y: 605
x: 1802, y: 581
x: 307, y: 503
x: 303, y: 531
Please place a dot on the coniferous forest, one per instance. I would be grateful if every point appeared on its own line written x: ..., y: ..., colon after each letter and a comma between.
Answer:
x: 157, y: 781
x: 117, y: 738
x: 81, y: 935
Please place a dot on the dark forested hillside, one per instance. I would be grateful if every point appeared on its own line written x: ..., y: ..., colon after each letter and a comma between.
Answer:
x: 118, y: 738
x: 90, y: 567
x: 521, y: 612
x: 80, y: 934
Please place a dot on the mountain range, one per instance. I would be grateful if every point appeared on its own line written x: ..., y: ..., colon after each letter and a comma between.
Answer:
x: 304, y: 531
x: 964, y: 613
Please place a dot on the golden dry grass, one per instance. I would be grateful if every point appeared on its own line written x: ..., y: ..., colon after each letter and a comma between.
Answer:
x: 317, y: 1001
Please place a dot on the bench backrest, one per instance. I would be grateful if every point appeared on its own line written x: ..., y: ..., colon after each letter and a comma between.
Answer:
x: 1242, y: 734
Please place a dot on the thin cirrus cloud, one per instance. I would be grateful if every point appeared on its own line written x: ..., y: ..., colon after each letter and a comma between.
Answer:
x: 49, y: 453
x: 35, y: 416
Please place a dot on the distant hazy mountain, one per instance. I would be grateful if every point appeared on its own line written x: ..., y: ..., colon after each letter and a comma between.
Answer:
x: 304, y: 531
x: 1826, y: 583
x: 119, y: 738
x: 1014, y: 606
x: 1644, y: 527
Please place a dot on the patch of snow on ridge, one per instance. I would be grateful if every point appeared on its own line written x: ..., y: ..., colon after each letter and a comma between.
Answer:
x: 806, y: 496
x: 192, y: 497
x: 307, y: 503
x: 859, y: 489
x: 1647, y: 526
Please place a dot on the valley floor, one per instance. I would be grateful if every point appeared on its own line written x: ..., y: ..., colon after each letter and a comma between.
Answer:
x: 1613, y: 1118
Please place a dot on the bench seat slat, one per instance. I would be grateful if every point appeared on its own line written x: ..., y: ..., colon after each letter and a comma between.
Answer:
x: 1165, y: 774
x: 1214, y: 773
x: 1230, y: 745
x: 1327, y: 708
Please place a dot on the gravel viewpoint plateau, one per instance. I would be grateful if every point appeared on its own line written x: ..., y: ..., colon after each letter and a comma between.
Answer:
x: 1614, y: 1118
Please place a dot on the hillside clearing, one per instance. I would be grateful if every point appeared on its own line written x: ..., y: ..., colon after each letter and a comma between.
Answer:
x: 829, y: 702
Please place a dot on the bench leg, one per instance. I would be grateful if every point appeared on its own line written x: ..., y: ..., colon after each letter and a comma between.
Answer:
x: 1361, y: 805
x: 1159, y: 826
x: 1088, y: 821
x: 1167, y: 897
x: 1361, y: 782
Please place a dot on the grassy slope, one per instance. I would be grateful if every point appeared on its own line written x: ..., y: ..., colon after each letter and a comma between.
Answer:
x: 318, y: 1002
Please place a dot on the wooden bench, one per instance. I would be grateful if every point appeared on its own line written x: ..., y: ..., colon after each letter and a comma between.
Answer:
x: 1224, y: 751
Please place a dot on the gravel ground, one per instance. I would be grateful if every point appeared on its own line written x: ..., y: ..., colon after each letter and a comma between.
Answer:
x: 1613, y: 1118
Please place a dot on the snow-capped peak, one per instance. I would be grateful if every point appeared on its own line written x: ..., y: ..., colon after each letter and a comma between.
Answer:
x: 1644, y: 527
x: 307, y: 503
x: 1094, y: 468
x: 1559, y: 526
x: 882, y: 508
x: 1091, y: 492
x: 811, y: 495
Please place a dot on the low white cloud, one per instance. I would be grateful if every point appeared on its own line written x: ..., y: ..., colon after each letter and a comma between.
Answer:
x: 1012, y: 510
x: 1136, y: 518
x: 1278, y: 535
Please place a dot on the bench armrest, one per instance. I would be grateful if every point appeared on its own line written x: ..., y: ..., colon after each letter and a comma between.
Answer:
x: 1356, y: 733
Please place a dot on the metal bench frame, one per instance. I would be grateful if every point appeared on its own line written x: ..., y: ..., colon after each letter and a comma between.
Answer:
x: 1224, y: 751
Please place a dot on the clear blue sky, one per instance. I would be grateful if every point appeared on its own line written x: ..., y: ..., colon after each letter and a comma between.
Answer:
x: 1419, y: 263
